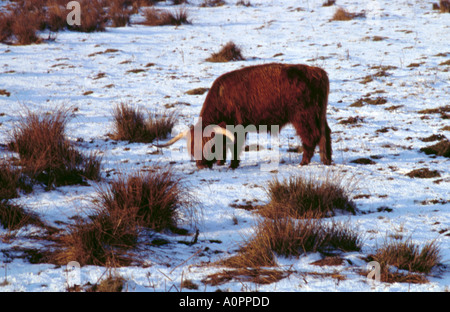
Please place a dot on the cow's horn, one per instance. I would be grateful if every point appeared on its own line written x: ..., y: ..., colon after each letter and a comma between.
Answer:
x: 219, y: 130
x: 173, y: 140
x: 224, y: 132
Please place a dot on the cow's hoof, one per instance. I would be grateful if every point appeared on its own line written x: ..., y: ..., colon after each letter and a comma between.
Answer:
x: 234, y: 164
x: 204, y: 165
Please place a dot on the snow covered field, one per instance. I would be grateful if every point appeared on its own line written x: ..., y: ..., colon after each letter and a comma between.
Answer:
x: 406, y: 39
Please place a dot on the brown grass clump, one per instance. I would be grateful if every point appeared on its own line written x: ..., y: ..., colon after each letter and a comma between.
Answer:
x: 444, y: 6
x: 155, y: 198
x: 197, y: 91
x: 441, y: 148
x: 329, y: 261
x: 5, y: 92
x: 329, y: 3
x: 6, y: 20
x: 113, y: 283
x: 287, y: 237
x: 188, y: 284
x: 342, y: 15
x: 433, y: 137
x: 178, y: 2
x: 131, y: 125
x: 13, y: 217
x: 229, y: 52
x: 438, y: 110
x: 151, y: 200
x: 351, y: 120
x: 423, y: 173
x: 25, y: 27
x: 212, y: 3
x: 118, y: 13
x: 363, y: 161
x: 9, y: 181
x: 19, y: 26
x: 21, y: 20
x: 261, y: 276
x: 377, y: 101
x: 298, y: 196
x: 45, y: 153
x: 154, y: 17
x: 405, y: 255
x: 243, y: 3
x: 56, y: 17
x: 103, y: 240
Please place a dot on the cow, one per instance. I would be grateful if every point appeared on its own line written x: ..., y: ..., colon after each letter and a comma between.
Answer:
x: 272, y: 94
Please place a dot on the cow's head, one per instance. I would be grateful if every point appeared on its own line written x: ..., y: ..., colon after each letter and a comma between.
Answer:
x: 201, y: 143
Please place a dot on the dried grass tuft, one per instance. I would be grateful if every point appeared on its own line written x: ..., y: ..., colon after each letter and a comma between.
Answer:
x: 229, y: 52
x: 298, y: 196
x: 156, y: 17
x: 130, y: 124
x: 288, y: 237
x: 343, y: 15
x: 45, y: 153
x: 406, y: 256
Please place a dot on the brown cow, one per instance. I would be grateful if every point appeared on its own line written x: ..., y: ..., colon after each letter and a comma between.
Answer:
x: 263, y: 95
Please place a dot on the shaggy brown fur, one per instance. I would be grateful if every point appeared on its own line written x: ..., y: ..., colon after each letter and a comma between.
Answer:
x: 271, y: 94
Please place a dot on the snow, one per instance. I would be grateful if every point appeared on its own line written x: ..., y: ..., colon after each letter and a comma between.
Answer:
x: 54, y: 74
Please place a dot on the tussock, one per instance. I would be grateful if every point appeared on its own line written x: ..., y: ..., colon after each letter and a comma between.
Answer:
x: 284, y: 236
x: 130, y: 124
x: 442, y: 148
x: 156, y: 17
x: 405, y: 255
x: 212, y: 3
x: 329, y: 3
x: 13, y: 217
x: 229, y: 52
x: 9, y: 181
x: 343, y: 15
x: 45, y: 153
x: 125, y: 208
x: 423, y: 173
x: 155, y: 198
x: 299, y: 195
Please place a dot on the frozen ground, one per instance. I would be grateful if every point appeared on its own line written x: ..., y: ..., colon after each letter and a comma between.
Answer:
x: 394, y: 33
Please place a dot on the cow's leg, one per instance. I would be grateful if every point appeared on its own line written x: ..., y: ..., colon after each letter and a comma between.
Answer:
x: 309, y: 133
x: 325, y: 145
x: 238, y: 145
x: 207, y: 152
x: 202, y: 164
x: 308, y: 152
x: 222, y: 150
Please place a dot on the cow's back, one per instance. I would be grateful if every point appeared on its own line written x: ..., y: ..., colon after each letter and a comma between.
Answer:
x: 261, y: 94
